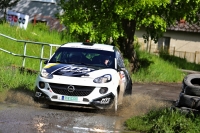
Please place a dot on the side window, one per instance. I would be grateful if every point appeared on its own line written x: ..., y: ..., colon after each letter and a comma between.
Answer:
x: 120, y: 61
x: 59, y: 56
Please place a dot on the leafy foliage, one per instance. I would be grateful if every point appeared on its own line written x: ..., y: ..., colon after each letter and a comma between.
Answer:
x: 103, y: 19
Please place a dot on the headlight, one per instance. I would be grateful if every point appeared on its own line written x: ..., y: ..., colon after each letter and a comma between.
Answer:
x: 103, y: 79
x: 45, y: 74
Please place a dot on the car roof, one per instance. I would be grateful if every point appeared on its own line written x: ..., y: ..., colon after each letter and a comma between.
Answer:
x: 87, y: 45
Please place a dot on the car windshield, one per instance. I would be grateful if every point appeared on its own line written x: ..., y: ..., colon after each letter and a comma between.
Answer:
x: 90, y: 57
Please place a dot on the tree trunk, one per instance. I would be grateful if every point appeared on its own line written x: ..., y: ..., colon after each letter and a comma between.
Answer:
x: 126, y: 43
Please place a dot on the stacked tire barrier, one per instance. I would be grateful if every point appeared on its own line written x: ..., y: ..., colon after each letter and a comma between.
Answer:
x: 189, y: 98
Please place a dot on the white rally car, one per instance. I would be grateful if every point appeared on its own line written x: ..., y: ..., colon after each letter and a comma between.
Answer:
x: 84, y: 74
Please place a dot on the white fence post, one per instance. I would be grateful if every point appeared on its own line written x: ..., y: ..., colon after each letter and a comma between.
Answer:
x: 41, y: 57
x: 24, y: 55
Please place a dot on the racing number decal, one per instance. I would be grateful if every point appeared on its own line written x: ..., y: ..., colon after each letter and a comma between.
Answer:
x: 105, y: 100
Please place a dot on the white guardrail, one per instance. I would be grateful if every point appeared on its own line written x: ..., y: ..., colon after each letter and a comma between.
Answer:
x: 27, y: 56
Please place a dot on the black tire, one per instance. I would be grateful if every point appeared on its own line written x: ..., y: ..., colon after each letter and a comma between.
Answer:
x: 197, y: 106
x: 192, y: 90
x: 184, y: 110
x: 188, y: 101
x: 50, y: 106
x: 183, y: 86
x: 128, y: 90
x: 191, y: 80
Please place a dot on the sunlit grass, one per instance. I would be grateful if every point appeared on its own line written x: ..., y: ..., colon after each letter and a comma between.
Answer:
x: 37, y: 33
x: 155, y: 69
x: 164, y: 121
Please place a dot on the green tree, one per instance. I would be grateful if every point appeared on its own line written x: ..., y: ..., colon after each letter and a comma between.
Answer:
x: 4, y: 4
x: 98, y: 20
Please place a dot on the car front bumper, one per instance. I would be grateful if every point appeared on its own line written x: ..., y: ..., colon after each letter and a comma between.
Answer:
x: 101, y: 102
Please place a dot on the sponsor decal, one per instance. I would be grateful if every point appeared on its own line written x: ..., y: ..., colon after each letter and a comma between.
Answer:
x: 76, y: 69
x: 50, y: 65
x: 105, y: 100
x: 38, y: 94
x: 67, y: 70
x: 17, y: 19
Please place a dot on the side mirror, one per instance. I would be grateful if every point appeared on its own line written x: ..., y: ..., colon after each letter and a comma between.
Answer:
x: 46, y: 61
x: 118, y: 68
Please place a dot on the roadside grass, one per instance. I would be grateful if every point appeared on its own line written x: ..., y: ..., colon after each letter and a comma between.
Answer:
x: 37, y: 33
x: 11, y: 78
x: 164, y: 121
x: 155, y: 69
x: 180, y: 62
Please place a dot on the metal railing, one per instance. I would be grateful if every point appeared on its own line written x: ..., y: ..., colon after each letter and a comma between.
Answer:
x: 24, y: 56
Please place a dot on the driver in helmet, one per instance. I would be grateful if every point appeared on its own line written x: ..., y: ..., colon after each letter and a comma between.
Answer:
x: 107, y: 61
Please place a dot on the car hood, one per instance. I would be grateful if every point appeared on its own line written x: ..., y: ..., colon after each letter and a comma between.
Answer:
x: 74, y: 70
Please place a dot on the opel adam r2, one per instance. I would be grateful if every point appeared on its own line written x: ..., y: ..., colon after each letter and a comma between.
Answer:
x: 85, y: 74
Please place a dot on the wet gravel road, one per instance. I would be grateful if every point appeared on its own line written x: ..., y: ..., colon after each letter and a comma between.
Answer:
x: 20, y: 118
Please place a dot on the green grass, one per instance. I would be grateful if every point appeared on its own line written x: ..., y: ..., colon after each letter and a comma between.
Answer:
x: 37, y: 33
x: 164, y: 121
x: 12, y: 78
x: 180, y: 62
x: 156, y: 69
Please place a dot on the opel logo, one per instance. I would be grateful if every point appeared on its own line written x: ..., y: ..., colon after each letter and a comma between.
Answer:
x: 71, y: 88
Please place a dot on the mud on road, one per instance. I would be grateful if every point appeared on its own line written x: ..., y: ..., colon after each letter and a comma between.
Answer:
x: 20, y: 114
x: 165, y: 91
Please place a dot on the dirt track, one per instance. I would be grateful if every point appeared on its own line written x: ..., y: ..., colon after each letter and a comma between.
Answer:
x: 22, y: 117
x: 166, y: 91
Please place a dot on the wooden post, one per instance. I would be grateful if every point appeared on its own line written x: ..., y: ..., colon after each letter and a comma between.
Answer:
x: 150, y: 46
x: 195, y: 56
x: 185, y: 55
x: 34, y: 21
x: 174, y: 51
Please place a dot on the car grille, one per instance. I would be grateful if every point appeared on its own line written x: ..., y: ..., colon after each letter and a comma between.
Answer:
x: 79, y: 90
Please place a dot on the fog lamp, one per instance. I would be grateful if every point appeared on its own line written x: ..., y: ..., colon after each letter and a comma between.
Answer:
x: 41, y: 85
x: 103, y: 90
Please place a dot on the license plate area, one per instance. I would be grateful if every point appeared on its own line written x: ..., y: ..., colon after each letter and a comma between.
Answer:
x: 70, y: 98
